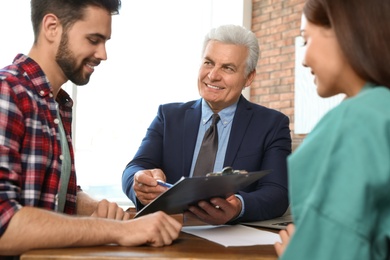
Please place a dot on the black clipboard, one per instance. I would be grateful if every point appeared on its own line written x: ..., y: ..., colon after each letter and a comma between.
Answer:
x: 188, y: 191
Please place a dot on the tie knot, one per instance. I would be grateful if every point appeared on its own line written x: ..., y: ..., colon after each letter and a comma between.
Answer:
x: 215, y: 119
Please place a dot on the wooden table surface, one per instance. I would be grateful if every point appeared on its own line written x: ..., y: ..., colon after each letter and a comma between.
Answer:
x: 185, y: 247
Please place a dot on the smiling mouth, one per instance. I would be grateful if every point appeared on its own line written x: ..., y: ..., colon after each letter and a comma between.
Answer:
x: 213, y: 87
x: 92, y: 67
x: 92, y: 63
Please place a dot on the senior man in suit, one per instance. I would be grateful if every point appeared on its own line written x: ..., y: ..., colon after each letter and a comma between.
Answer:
x: 250, y: 137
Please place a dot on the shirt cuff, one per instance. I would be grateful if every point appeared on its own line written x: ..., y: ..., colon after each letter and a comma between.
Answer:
x: 242, y: 207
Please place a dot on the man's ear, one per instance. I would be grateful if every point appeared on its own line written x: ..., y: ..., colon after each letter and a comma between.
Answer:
x: 51, y: 27
x: 250, y: 78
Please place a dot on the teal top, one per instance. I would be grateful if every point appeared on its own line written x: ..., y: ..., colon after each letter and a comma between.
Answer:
x: 339, y: 180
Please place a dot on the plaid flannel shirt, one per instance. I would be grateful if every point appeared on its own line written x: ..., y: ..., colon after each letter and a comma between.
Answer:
x: 30, y: 148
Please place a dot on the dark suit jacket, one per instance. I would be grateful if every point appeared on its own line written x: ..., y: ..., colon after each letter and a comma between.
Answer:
x: 259, y: 140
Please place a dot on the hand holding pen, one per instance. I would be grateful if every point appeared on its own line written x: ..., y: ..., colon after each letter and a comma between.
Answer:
x: 146, y: 186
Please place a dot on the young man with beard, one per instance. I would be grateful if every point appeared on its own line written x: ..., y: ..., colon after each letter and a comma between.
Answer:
x: 38, y: 191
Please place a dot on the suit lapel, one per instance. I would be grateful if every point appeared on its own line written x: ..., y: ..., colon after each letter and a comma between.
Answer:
x: 240, y: 124
x: 191, y: 126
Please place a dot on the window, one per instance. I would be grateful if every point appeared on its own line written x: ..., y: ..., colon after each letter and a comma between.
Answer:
x: 309, y: 106
x: 153, y: 58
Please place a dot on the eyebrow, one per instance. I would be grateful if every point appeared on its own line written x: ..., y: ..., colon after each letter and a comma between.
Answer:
x: 208, y: 59
x: 101, y: 36
x: 229, y: 64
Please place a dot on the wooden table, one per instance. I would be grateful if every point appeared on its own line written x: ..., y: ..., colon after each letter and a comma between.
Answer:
x: 185, y: 247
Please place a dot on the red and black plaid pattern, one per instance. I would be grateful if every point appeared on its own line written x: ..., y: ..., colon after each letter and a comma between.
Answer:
x: 30, y: 148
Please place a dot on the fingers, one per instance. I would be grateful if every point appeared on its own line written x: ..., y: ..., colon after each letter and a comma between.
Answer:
x: 110, y: 210
x: 290, y: 229
x: 156, y: 229
x: 149, y: 177
x: 231, y: 206
x: 158, y: 174
x: 145, y: 194
x: 285, y: 236
x: 279, y: 248
x: 216, y: 212
x: 145, y: 185
x: 169, y: 232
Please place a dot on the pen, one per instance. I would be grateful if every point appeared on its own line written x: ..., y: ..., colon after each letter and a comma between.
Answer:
x: 164, y: 184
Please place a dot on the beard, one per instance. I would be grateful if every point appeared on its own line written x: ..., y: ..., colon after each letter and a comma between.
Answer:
x: 68, y: 63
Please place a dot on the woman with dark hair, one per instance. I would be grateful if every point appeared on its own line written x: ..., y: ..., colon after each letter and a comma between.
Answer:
x: 340, y: 175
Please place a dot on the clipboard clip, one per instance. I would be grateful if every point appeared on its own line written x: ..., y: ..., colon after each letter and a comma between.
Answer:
x: 226, y: 171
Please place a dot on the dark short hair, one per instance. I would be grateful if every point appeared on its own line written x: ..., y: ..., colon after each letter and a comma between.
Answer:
x: 68, y: 11
x: 362, y: 29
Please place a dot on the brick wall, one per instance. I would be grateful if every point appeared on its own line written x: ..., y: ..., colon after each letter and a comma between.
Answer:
x: 276, y: 24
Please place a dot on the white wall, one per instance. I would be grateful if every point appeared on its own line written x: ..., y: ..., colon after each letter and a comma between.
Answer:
x: 16, y: 34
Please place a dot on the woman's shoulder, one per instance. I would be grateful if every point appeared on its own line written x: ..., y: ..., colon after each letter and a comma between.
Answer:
x: 372, y: 102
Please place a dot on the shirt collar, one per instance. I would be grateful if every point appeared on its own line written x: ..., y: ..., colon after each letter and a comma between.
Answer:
x: 226, y: 114
x: 33, y: 71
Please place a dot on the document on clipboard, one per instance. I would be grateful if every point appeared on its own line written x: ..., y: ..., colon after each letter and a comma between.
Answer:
x: 188, y: 191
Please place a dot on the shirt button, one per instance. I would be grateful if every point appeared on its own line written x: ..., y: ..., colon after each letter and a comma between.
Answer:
x: 42, y: 92
x: 56, y: 121
x: 61, y: 157
x: 51, y: 95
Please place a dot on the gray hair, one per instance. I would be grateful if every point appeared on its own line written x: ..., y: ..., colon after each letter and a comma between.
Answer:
x: 237, y: 35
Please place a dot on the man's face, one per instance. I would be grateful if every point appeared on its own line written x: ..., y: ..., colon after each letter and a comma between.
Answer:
x: 222, y: 75
x: 82, y: 47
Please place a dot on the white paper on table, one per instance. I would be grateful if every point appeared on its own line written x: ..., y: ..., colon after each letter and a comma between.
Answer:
x: 236, y: 235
